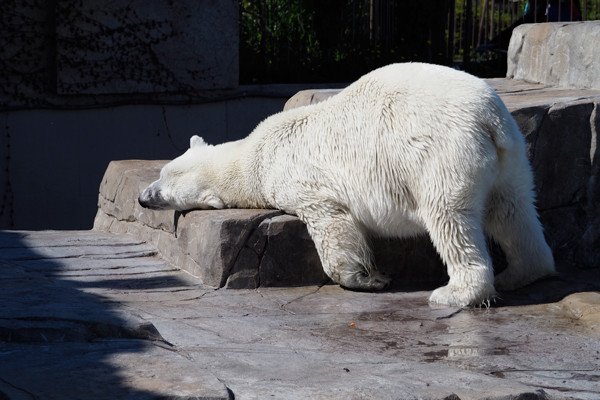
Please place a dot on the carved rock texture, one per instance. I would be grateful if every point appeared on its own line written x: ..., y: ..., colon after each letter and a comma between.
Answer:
x: 87, y: 48
x: 145, y: 46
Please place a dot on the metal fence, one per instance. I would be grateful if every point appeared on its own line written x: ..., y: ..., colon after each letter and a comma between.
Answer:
x: 315, y: 40
x: 479, y: 28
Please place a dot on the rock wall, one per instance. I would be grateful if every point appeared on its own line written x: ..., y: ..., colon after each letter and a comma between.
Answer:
x: 560, y: 54
x: 54, y: 50
x: 562, y: 140
x: 251, y: 248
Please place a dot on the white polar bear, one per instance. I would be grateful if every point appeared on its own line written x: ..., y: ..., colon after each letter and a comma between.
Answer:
x: 405, y: 150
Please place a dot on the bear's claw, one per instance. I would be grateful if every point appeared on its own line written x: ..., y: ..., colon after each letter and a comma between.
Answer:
x: 452, y: 295
x: 362, y: 280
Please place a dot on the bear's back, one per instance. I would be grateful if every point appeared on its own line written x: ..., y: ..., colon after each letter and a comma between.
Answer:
x: 377, y: 137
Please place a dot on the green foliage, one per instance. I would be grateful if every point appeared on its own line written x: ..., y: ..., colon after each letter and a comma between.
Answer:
x: 272, y: 33
x: 593, y: 10
x: 337, y: 40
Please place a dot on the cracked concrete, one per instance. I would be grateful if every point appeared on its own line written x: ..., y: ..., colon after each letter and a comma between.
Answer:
x: 131, y: 326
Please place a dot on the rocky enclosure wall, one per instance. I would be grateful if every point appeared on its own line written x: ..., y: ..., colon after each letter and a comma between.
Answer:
x: 251, y: 248
x: 85, y: 53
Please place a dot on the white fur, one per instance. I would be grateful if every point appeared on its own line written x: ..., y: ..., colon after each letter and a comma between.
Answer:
x: 407, y: 149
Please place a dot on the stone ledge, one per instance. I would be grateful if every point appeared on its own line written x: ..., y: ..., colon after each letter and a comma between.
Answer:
x: 239, y: 248
x: 515, y: 93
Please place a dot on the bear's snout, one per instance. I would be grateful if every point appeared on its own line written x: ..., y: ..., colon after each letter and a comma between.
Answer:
x: 151, y: 198
x: 144, y: 201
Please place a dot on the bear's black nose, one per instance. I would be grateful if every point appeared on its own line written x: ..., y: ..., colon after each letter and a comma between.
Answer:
x: 143, y: 202
x: 151, y: 199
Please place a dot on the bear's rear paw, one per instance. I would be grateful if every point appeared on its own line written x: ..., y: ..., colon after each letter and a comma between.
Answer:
x: 461, y: 296
x: 366, y: 281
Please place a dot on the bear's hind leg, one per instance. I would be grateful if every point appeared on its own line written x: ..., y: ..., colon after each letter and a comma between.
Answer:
x: 512, y: 221
x: 343, y: 248
x: 459, y: 239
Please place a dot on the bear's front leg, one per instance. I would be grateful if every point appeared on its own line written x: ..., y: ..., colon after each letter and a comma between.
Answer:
x: 342, y: 247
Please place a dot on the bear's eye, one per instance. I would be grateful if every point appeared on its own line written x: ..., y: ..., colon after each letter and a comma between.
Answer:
x: 176, y: 173
x: 170, y: 174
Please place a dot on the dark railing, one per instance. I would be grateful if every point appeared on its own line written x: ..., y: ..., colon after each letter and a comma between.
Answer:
x: 337, y: 40
x: 480, y: 29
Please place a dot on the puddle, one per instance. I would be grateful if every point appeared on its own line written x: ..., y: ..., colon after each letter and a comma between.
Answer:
x: 463, y: 352
x: 477, y: 352
x: 434, y: 356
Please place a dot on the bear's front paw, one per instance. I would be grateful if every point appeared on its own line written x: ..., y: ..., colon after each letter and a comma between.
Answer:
x: 461, y: 296
x: 377, y: 281
x: 366, y: 281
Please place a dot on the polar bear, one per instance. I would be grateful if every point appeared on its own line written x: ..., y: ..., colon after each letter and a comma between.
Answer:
x: 407, y: 149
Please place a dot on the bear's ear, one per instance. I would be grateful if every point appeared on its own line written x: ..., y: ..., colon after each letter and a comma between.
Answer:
x: 197, y: 141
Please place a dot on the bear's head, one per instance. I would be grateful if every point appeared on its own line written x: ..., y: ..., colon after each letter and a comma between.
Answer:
x: 184, y: 183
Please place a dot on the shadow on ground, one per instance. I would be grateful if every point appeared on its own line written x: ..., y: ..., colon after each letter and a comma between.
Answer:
x: 57, y: 341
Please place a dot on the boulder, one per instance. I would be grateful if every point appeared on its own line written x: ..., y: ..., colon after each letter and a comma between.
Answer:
x: 560, y: 54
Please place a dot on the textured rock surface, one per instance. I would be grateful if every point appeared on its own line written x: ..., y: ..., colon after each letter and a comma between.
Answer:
x: 76, y: 48
x: 91, y: 315
x: 562, y: 54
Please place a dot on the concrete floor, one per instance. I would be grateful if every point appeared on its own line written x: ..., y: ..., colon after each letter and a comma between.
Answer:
x: 87, y: 315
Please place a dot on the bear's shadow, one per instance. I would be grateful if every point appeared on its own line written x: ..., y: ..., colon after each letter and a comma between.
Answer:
x: 414, y: 265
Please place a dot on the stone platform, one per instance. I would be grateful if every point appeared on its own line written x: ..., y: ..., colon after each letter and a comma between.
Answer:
x: 259, y: 248
x: 89, y: 315
x: 239, y: 248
